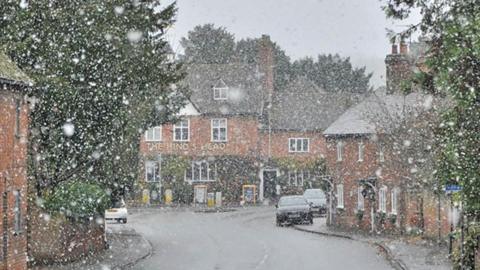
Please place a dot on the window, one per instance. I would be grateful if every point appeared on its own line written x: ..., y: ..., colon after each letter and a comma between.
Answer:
x: 298, y: 145
x: 181, y: 131
x: 340, y: 196
x: 152, y: 171
x: 153, y: 134
x: 17, y: 117
x: 201, y: 171
x: 394, y: 200
x: 219, y: 130
x: 361, y: 151
x: 220, y: 93
x: 17, y: 212
x: 339, y: 151
x: 360, y: 200
x: 382, y: 200
x: 381, y: 155
x: 296, y: 178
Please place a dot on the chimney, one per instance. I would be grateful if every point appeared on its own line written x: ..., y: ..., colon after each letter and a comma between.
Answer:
x: 266, y: 65
x: 399, y: 68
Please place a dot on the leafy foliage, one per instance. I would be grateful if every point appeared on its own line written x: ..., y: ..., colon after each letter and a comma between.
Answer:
x: 333, y: 73
x: 103, y: 76
x: 78, y: 199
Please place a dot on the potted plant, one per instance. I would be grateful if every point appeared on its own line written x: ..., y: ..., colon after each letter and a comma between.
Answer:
x: 359, y: 214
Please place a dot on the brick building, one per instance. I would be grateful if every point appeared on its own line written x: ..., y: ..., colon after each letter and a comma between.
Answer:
x: 375, y: 190
x: 238, y: 130
x: 13, y: 161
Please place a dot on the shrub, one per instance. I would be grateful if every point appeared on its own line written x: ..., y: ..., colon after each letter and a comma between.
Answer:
x: 78, y: 200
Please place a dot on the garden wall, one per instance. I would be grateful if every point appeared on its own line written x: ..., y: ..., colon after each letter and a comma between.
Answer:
x: 57, y: 239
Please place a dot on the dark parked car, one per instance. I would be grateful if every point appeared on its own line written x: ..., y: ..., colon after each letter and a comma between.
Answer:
x: 293, y: 209
x: 318, y: 201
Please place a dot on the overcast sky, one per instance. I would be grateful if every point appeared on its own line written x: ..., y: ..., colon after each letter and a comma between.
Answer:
x: 354, y: 28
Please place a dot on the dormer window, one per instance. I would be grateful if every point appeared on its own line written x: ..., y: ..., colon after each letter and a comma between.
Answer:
x: 220, y: 91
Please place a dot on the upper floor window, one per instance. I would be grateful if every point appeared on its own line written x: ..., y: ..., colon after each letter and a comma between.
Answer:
x: 382, y: 199
x: 153, y: 134
x: 339, y: 151
x: 152, y: 171
x: 220, y: 93
x: 381, y: 154
x: 340, y: 203
x: 219, y: 130
x: 298, y: 144
x: 361, y: 151
x: 201, y: 171
x: 18, y: 109
x: 181, y: 131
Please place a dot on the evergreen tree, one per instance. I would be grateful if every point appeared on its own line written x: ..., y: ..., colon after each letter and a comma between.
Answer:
x: 103, y: 76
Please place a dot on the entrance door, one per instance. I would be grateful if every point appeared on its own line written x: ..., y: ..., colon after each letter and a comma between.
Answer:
x: 269, y: 184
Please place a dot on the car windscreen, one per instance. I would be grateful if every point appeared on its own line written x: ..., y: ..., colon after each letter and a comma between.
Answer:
x: 118, y: 204
x: 292, y: 201
x: 314, y: 194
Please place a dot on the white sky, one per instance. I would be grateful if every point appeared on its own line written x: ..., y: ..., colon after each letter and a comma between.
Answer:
x: 355, y: 28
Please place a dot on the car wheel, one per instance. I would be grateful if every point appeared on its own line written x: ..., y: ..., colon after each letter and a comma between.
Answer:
x: 279, y: 224
x: 310, y: 221
x: 124, y: 221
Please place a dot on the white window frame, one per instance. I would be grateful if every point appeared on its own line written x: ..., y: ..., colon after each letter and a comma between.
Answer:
x: 17, y: 210
x: 361, y: 151
x: 360, y: 199
x: 153, y: 134
x: 220, y: 93
x: 179, y: 125
x: 340, y: 201
x: 211, y: 172
x: 381, y: 154
x: 296, y: 178
x: 156, y: 172
x: 219, y: 127
x: 339, y: 151
x: 382, y: 199
x: 294, y: 148
x: 394, y: 202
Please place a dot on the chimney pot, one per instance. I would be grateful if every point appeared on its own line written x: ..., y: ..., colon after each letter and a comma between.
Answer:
x: 394, y: 49
x: 403, y: 48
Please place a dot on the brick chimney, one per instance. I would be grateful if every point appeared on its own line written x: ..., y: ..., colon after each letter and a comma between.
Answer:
x: 266, y: 65
x: 399, y: 68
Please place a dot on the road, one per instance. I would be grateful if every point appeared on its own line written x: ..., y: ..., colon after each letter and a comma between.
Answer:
x: 245, y: 239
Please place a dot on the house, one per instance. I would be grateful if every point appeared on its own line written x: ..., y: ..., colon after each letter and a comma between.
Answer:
x: 235, y: 131
x: 14, y: 118
x: 373, y: 161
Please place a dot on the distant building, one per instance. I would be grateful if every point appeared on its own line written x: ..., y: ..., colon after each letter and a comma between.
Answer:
x: 14, y: 113
x: 237, y: 130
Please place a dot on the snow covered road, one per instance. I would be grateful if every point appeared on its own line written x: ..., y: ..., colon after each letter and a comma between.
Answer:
x: 244, y: 239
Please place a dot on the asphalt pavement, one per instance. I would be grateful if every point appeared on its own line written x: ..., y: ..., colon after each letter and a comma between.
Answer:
x: 244, y: 239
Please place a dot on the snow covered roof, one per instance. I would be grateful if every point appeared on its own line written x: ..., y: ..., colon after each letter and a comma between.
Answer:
x: 10, y: 73
x: 378, y: 113
x: 303, y: 106
x: 243, y: 83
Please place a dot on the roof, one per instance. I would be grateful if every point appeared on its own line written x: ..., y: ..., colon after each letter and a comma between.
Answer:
x: 303, y: 106
x: 10, y: 73
x: 243, y: 83
x: 378, y: 113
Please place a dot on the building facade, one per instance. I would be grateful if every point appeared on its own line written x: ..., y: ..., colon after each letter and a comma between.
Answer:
x: 14, y: 112
x: 237, y: 130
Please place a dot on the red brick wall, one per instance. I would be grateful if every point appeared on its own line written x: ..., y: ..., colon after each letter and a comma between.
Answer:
x: 279, y: 144
x: 13, y: 157
x: 242, y: 139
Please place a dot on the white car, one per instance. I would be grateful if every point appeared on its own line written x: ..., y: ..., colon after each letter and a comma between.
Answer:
x: 118, y: 212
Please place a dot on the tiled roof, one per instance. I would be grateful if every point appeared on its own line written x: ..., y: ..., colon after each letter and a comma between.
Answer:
x: 244, y: 94
x: 10, y: 73
x: 377, y: 113
x: 303, y: 106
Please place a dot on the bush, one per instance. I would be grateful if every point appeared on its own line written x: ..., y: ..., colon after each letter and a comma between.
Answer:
x: 78, y: 199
